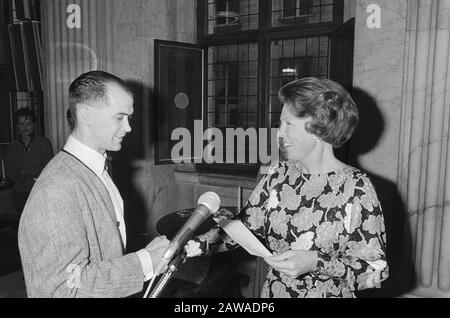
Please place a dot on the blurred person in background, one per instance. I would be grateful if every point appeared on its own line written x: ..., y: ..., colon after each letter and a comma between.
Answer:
x: 26, y: 157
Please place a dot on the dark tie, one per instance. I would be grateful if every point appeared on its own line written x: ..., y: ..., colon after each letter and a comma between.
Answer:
x: 108, y: 164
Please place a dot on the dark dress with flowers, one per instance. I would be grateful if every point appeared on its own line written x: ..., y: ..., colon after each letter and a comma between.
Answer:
x: 336, y: 214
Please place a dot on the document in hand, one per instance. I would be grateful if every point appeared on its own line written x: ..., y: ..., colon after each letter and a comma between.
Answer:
x: 242, y: 235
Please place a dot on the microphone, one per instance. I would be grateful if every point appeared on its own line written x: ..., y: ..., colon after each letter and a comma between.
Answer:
x: 171, y: 269
x: 208, y: 204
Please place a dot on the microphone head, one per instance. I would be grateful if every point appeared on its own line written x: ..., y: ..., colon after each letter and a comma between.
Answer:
x: 211, y: 200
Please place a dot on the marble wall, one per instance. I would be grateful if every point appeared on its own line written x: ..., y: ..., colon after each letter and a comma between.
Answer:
x: 401, y: 81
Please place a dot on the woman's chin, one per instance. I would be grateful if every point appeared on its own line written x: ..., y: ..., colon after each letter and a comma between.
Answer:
x: 284, y: 154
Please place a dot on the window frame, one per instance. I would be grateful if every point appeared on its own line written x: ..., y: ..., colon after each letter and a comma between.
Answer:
x: 263, y: 36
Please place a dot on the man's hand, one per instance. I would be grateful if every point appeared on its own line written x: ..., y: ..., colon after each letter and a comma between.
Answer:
x: 294, y: 263
x: 156, y: 248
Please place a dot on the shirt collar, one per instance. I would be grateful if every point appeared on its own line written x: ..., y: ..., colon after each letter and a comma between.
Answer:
x: 91, y: 158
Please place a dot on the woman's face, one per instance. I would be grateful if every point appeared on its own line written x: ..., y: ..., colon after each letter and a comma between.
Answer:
x: 25, y: 126
x: 295, y: 142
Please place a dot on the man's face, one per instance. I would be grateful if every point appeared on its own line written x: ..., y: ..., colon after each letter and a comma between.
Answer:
x: 109, y: 120
x: 25, y: 126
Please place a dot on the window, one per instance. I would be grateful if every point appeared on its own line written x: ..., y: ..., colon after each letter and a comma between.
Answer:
x: 254, y: 48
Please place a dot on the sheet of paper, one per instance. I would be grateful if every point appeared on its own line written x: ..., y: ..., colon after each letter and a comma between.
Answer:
x: 242, y: 235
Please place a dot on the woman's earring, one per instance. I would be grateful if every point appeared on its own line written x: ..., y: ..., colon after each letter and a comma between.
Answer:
x: 317, y: 139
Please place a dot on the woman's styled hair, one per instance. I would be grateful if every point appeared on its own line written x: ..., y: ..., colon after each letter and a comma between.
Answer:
x: 333, y: 113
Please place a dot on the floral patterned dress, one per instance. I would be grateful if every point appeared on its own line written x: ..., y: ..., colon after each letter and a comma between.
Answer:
x: 336, y: 214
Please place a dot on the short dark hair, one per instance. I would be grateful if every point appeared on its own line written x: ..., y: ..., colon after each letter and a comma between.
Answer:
x: 26, y: 113
x: 334, y: 115
x: 90, y: 87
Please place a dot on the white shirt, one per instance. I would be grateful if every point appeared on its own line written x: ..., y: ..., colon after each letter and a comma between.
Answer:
x: 96, y: 162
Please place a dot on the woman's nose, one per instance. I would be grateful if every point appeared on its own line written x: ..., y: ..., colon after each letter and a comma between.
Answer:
x: 282, y: 130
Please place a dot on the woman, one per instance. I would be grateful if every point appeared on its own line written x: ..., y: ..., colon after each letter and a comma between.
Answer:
x: 319, y: 217
x: 25, y: 157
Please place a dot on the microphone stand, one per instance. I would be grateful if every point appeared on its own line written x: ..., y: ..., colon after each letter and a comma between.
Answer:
x: 171, y: 269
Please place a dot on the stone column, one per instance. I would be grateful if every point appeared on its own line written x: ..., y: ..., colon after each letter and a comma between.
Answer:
x: 68, y: 52
x: 424, y: 159
x: 401, y: 80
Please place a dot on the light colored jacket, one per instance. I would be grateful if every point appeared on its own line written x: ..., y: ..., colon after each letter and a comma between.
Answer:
x: 69, y: 242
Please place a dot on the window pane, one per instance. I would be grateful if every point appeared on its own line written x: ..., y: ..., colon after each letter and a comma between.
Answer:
x: 275, y: 83
x: 220, y: 71
x: 243, y: 104
x: 300, y: 47
x: 313, y: 46
x: 323, y: 46
x: 323, y: 66
x: 253, y: 70
x: 252, y: 87
x: 210, y: 71
x: 298, y: 12
x: 252, y: 120
x: 289, y: 8
x: 243, y: 52
x: 288, y: 48
x: 326, y: 13
x: 235, y: 75
x: 211, y: 105
x: 275, y: 120
x: 275, y: 105
x: 211, y: 87
x: 233, y: 52
x: 227, y: 16
x: 243, y: 87
x: 276, y: 50
x: 253, y: 52
x: 254, y: 20
x: 244, y: 70
x: 222, y: 53
x: 221, y: 119
x: 252, y: 103
x: 220, y: 88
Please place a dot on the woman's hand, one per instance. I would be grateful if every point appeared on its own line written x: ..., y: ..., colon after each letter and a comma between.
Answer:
x: 294, y: 263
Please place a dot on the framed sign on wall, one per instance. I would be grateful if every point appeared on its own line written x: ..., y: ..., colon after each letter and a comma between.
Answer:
x: 178, y: 94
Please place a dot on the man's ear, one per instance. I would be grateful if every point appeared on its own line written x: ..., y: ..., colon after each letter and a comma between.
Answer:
x: 83, y: 114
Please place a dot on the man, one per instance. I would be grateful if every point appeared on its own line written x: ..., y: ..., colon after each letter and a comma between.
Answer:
x: 72, y: 232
